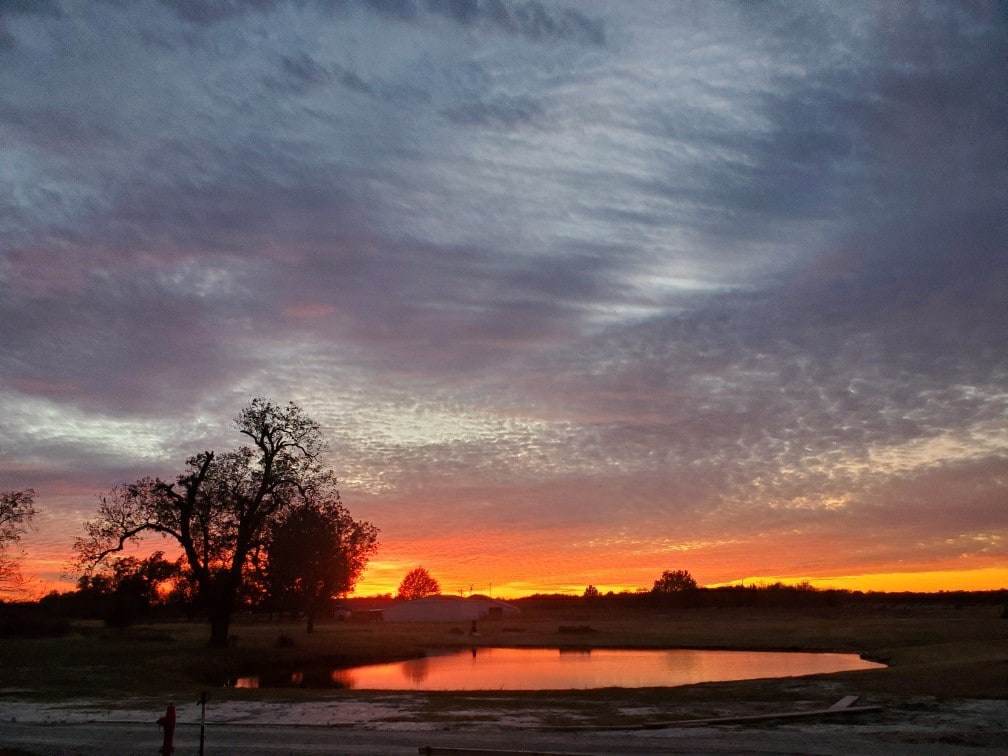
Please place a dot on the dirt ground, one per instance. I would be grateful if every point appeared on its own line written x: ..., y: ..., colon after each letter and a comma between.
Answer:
x: 401, y: 724
x: 945, y: 691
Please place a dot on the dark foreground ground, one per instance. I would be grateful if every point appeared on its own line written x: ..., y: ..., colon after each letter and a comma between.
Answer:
x: 399, y: 724
x: 235, y: 740
x: 93, y: 691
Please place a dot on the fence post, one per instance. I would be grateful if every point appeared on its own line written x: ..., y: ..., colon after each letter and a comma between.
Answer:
x: 202, y: 722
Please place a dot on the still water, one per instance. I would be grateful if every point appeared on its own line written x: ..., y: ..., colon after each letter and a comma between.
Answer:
x: 552, y: 669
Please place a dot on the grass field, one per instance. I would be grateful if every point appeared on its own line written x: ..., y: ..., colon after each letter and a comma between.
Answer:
x: 943, y: 652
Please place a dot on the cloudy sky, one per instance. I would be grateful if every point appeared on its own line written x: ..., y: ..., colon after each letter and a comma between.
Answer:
x: 579, y: 291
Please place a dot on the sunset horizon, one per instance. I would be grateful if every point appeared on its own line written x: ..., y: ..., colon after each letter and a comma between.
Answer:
x: 382, y: 578
x: 982, y: 579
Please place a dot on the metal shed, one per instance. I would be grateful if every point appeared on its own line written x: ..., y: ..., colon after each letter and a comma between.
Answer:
x: 448, y: 609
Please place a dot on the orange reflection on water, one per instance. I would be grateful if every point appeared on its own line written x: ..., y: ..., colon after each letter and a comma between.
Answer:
x: 341, y: 678
x: 549, y: 669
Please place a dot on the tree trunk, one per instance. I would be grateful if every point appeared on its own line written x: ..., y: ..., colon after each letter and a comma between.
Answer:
x: 311, y: 622
x: 221, y: 596
x: 220, y: 624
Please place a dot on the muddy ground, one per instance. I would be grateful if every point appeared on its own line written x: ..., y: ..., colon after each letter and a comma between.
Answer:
x: 403, y: 724
x: 945, y: 689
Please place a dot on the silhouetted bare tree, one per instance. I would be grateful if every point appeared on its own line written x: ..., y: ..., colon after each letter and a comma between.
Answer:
x: 219, y: 510
x: 17, y: 508
x: 417, y: 584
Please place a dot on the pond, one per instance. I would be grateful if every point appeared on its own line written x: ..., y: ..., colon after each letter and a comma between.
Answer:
x: 553, y: 669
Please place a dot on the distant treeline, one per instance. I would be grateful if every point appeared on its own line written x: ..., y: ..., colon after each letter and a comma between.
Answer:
x: 776, y: 595
x: 53, y: 614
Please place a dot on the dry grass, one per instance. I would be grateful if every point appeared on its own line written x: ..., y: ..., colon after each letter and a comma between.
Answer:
x: 941, y: 652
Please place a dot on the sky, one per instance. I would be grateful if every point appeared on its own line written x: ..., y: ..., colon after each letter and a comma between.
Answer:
x: 578, y: 291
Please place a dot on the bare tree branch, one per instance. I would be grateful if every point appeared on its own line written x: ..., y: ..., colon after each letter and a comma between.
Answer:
x: 220, y: 508
x: 17, y: 510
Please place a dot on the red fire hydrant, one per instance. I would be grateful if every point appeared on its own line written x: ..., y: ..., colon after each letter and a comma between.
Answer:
x: 168, y: 723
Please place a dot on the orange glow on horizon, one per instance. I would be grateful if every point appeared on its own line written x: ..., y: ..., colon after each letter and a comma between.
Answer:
x: 559, y: 577
x: 930, y: 581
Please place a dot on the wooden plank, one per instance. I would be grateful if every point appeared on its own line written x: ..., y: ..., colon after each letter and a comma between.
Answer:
x: 764, y: 717
x: 844, y: 703
x: 843, y: 706
x: 444, y: 751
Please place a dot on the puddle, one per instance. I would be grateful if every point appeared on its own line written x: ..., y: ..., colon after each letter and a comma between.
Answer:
x: 552, y: 669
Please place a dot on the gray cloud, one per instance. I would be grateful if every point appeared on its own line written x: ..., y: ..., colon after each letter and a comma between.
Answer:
x: 529, y: 18
x: 622, y: 273
x: 213, y: 11
x: 503, y: 113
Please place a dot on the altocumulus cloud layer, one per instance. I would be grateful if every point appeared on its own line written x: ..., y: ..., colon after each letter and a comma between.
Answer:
x: 580, y: 291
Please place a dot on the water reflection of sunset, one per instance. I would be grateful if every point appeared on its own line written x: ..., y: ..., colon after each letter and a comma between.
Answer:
x: 552, y: 669
x: 343, y: 679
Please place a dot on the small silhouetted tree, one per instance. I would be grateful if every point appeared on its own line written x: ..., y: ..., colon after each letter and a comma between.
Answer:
x: 591, y: 592
x: 17, y: 509
x: 219, y: 510
x: 315, y: 552
x: 674, y: 581
x: 417, y: 584
x: 129, y: 587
